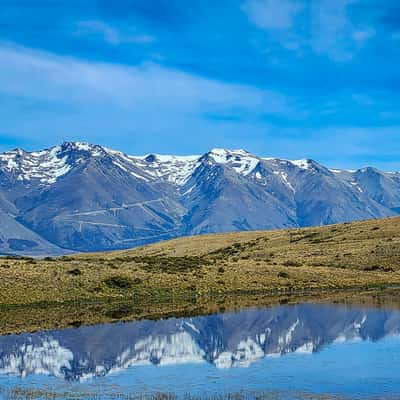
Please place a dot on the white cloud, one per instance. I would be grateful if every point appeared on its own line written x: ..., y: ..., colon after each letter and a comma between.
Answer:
x: 334, y: 33
x: 323, y: 27
x: 59, y: 97
x: 272, y: 14
x: 111, y: 35
x: 332, y: 30
x: 35, y: 74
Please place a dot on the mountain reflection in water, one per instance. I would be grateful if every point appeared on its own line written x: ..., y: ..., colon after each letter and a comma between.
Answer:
x: 224, y: 340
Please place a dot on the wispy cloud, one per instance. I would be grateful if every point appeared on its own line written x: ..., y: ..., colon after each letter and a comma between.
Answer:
x: 323, y: 27
x: 259, y: 74
x: 109, y: 34
x: 25, y: 72
x: 101, y: 97
x: 272, y: 14
x: 334, y: 34
x: 363, y: 35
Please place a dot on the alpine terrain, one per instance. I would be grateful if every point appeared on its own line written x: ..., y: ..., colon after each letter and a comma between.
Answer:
x: 83, y: 197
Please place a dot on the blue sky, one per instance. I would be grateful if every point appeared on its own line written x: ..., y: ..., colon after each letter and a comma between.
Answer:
x: 285, y: 78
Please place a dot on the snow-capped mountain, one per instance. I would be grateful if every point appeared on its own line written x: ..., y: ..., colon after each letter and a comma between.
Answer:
x: 228, y: 340
x: 84, y: 197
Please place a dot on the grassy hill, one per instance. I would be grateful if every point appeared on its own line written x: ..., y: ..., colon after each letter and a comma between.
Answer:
x: 360, y: 254
x: 182, y: 275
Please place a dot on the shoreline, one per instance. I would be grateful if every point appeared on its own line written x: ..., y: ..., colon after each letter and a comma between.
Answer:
x: 191, y: 273
x: 46, y: 317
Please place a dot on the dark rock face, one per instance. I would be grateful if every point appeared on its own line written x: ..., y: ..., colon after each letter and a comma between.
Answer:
x: 84, y: 197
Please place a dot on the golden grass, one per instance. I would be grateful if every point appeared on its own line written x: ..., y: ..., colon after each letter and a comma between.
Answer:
x: 18, y: 319
x: 358, y: 255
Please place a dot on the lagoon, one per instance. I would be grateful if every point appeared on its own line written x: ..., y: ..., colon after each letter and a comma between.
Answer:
x: 280, y: 352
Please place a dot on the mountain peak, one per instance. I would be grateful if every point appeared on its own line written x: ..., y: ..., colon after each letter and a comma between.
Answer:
x: 303, y: 163
x: 85, y: 146
x: 309, y: 164
x: 93, y: 149
x: 18, y: 151
x: 241, y: 161
x: 221, y: 152
x: 368, y: 170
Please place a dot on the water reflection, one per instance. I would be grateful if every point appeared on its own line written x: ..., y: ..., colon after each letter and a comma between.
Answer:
x: 224, y: 340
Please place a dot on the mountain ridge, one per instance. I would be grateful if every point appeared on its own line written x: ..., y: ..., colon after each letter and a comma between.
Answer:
x: 85, y: 197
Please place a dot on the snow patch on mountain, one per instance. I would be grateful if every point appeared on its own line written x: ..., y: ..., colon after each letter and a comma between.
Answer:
x: 173, y: 169
x: 45, y: 166
x: 302, y: 164
x: 239, y: 160
x: 285, y: 178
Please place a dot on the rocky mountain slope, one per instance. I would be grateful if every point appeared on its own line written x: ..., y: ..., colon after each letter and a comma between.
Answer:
x: 84, y: 197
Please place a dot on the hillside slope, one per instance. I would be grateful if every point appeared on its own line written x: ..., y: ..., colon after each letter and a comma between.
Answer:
x: 357, y: 255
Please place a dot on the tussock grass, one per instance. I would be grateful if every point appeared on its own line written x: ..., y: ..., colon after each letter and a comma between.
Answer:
x: 357, y: 255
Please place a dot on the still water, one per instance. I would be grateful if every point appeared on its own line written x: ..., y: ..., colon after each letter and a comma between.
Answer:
x: 283, y: 352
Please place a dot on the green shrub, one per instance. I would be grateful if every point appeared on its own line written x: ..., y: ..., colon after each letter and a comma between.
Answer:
x: 373, y: 268
x: 118, y: 282
x: 75, y: 272
x: 292, y: 263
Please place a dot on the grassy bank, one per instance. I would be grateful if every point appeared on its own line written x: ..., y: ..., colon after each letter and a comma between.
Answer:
x: 187, y: 270
x: 17, y: 319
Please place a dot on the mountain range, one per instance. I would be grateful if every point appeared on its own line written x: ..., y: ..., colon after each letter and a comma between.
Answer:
x: 83, y: 197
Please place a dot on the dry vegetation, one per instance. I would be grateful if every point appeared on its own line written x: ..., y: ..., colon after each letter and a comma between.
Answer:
x: 23, y: 393
x: 66, y: 315
x: 358, y: 255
